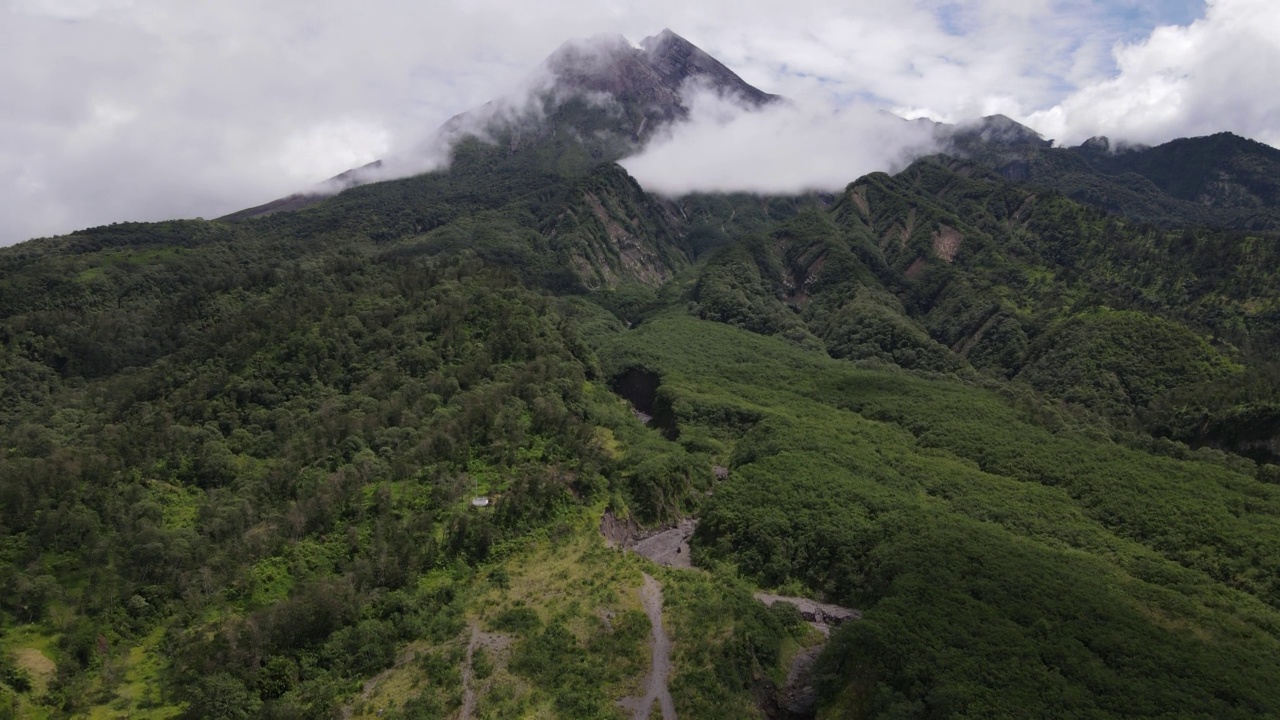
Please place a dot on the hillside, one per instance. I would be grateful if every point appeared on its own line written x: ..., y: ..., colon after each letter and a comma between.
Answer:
x: 373, y: 455
x: 1221, y: 181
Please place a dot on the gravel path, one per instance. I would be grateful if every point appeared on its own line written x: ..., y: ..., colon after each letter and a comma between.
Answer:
x: 468, y: 681
x: 656, y: 682
x: 493, y: 642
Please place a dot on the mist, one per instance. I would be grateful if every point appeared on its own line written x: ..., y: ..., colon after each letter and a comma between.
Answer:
x: 523, y: 106
x: 784, y: 148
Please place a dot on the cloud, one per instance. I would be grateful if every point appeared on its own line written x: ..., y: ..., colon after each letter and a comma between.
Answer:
x: 1217, y: 73
x: 146, y: 109
x: 786, y: 147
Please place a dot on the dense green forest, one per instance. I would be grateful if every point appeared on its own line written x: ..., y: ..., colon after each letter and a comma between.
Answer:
x: 1035, y: 443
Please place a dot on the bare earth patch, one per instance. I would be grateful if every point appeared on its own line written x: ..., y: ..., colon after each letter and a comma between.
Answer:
x: 38, y: 667
x: 821, y: 615
x: 669, y: 548
x: 946, y: 242
x: 916, y: 267
x: 859, y: 197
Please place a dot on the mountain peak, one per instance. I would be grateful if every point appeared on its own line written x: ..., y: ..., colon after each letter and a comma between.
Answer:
x: 656, y: 44
x: 605, y: 91
x: 1004, y: 128
x: 677, y: 61
x: 657, y: 70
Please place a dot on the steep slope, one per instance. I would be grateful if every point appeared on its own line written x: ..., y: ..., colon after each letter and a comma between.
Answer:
x: 948, y: 265
x: 238, y: 468
x: 610, y: 232
x: 1219, y: 171
x: 1003, y: 569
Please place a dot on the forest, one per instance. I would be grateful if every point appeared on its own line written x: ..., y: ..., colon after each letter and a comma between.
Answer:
x: 1034, y: 441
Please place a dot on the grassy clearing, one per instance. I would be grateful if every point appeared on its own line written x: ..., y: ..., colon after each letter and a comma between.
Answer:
x: 560, y: 595
x: 565, y: 599
x: 562, y: 634
x: 132, y: 680
x: 33, y: 651
x: 426, y: 678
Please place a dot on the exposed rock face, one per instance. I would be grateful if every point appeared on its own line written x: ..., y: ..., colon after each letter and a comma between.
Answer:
x: 646, y: 82
x: 610, y: 66
x: 669, y: 547
x: 612, y: 231
x: 616, y: 532
x: 677, y: 60
x: 822, y: 615
x: 798, y: 698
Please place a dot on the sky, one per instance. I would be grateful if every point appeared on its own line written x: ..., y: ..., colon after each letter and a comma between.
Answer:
x: 117, y: 110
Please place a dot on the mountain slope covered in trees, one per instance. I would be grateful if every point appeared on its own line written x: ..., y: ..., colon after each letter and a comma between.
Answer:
x: 1035, y: 443
x: 1221, y: 180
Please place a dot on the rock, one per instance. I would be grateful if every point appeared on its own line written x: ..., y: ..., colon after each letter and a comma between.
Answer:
x: 822, y: 616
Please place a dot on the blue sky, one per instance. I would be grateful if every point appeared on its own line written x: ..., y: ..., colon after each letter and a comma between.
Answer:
x: 149, y: 109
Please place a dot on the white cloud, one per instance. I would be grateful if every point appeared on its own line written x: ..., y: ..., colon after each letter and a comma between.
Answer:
x: 1215, y: 74
x: 147, y: 109
x: 313, y: 151
x: 786, y: 147
x: 67, y: 9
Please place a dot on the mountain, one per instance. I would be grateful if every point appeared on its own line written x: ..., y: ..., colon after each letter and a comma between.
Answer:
x: 951, y: 442
x: 1222, y: 180
x: 602, y: 93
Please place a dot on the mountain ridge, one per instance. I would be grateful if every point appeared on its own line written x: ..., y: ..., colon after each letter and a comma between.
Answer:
x: 1220, y: 180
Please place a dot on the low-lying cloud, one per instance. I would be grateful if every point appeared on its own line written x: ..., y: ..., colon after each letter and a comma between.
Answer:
x: 784, y: 148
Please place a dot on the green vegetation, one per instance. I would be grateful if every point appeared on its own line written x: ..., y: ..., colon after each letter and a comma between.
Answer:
x: 1035, y: 444
x: 987, y: 552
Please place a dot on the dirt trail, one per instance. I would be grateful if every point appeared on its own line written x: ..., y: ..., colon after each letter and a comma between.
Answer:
x: 496, y: 642
x: 468, y: 681
x: 656, y: 682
